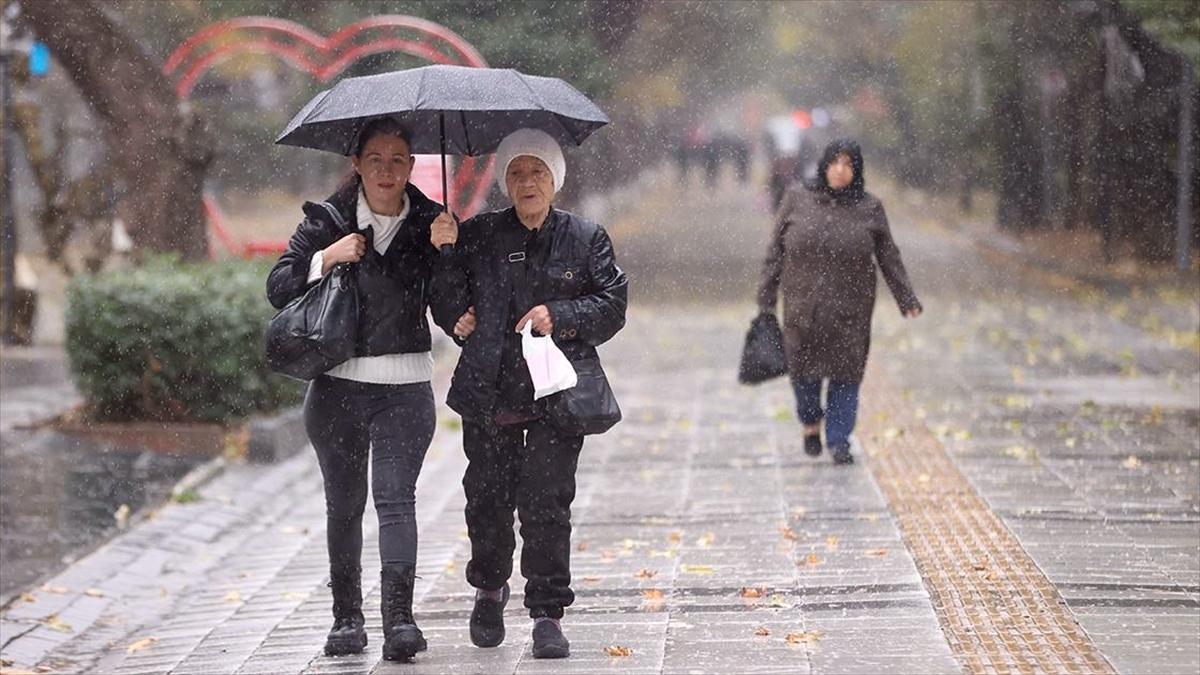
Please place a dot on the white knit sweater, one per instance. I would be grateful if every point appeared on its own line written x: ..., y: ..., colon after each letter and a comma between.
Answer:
x: 386, y: 368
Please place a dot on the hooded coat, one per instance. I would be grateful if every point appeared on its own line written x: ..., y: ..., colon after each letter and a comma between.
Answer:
x: 822, y: 259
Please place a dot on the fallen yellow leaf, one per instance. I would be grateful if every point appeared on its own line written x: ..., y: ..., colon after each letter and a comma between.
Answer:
x: 57, y: 590
x: 94, y: 593
x: 652, y: 594
x: 54, y: 623
x: 788, y: 534
x: 581, y: 546
x: 831, y: 542
x: 702, y: 570
x: 615, y: 650
x: 875, y: 553
x: 233, y: 596
x: 1131, y: 462
x: 140, y: 645
x: 812, y: 560
x: 752, y: 592
x: 762, y: 631
x: 592, y: 579
x: 706, y: 540
x: 802, y: 637
x: 645, y: 574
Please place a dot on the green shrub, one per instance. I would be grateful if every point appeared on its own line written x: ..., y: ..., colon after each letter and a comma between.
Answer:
x: 174, y: 342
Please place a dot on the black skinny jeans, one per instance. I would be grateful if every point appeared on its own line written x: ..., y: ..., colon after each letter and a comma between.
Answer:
x: 391, y: 425
x: 529, y: 467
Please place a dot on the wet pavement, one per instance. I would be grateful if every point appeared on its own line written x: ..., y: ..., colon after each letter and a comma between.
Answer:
x: 1075, y: 412
x: 705, y: 540
x: 62, y: 496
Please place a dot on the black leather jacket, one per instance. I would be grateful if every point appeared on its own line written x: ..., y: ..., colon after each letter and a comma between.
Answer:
x: 576, y: 277
x: 394, y: 288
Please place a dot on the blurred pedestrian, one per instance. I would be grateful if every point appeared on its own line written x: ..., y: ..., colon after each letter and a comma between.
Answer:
x: 378, y: 406
x: 829, y: 236
x: 528, y: 263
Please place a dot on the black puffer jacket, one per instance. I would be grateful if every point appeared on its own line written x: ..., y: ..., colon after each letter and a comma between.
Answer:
x: 394, y: 288
x: 578, y: 281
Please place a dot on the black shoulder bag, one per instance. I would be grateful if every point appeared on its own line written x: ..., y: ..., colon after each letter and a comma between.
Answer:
x: 319, y: 329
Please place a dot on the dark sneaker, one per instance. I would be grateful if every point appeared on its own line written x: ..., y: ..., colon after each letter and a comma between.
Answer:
x: 841, y: 455
x: 812, y: 445
x: 487, y: 620
x: 549, y: 641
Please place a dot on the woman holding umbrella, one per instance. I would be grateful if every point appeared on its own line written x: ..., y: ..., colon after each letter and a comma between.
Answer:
x: 378, y: 406
x: 527, y: 264
x: 829, y: 238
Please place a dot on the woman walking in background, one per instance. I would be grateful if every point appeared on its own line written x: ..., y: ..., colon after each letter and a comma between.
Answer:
x: 829, y: 237
x: 377, y: 406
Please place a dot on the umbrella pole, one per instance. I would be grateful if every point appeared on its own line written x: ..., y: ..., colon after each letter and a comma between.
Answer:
x: 442, y: 128
x: 446, y: 248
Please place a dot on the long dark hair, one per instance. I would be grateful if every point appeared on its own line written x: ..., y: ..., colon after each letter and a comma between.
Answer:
x: 377, y: 126
x: 852, y: 193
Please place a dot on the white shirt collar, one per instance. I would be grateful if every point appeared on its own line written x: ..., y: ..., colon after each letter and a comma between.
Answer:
x: 367, y: 217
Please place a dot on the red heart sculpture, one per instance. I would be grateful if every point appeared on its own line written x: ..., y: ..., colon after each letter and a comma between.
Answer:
x: 324, y: 58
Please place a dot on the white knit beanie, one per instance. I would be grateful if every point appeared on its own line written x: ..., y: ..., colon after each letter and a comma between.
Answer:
x: 535, y: 143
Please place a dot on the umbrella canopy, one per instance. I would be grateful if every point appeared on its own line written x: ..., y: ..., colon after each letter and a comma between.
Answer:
x: 449, y: 109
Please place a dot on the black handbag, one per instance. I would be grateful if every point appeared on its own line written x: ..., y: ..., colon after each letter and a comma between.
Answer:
x: 763, y: 357
x: 317, y: 330
x: 590, y: 407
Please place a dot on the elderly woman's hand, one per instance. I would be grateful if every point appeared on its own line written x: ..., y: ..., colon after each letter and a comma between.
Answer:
x: 465, y: 324
x: 443, y: 230
x: 543, y: 323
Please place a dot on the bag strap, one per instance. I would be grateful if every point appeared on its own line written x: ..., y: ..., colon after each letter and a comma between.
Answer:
x: 337, y: 217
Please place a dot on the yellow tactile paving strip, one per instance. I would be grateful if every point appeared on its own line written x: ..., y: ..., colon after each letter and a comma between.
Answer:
x: 998, y: 611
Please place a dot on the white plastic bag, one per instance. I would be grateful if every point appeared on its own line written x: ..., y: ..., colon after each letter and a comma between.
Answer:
x: 549, y: 368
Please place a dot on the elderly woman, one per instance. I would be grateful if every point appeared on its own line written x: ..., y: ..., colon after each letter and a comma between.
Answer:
x: 531, y: 263
x: 829, y: 235
x: 376, y: 408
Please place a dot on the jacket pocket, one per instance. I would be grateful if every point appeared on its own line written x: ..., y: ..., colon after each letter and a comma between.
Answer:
x: 565, y: 280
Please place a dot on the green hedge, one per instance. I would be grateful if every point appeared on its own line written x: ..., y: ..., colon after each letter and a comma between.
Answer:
x: 174, y: 342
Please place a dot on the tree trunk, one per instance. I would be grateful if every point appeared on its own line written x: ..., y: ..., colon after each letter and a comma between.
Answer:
x: 162, y: 150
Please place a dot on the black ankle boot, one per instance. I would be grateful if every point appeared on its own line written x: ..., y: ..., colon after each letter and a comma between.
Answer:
x: 812, y: 444
x: 401, y: 637
x: 487, y: 620
x: 348, y: 635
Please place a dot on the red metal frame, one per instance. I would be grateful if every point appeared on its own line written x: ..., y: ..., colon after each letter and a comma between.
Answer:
x: 324, y: 58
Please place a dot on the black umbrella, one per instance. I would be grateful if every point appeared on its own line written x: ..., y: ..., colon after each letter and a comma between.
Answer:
x: 449, y: 109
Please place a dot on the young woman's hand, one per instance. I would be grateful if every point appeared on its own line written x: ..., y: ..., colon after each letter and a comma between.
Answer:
x: 465, y: 324
x: 349, y: 248
x: 443, y: 230
x: 543, y: 323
